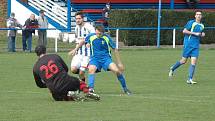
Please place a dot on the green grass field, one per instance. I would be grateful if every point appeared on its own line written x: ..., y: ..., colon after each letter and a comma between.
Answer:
x: 155, y: 96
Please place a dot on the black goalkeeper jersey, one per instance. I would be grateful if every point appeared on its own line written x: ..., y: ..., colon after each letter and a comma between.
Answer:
x: 51, y: 71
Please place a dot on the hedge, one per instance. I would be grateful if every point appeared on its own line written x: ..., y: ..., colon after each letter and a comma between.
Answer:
x: 148, y: 18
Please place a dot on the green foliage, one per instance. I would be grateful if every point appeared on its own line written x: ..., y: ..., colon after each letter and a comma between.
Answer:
x: 148, y: 18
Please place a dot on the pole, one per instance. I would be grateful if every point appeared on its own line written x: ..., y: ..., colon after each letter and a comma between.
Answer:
x: 8, y: 8
x: 172, y: 4
x: 173, y: 40
x: 57, y: 34
x: 159, y: 20
x: 117, y: 38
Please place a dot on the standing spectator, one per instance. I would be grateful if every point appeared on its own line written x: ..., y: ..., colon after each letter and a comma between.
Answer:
x: 43, y: 25
x: 30, y: 25
x: 193, y: 32
x: 194, y: 2
x: 106, y: 11
x: 12, y: 23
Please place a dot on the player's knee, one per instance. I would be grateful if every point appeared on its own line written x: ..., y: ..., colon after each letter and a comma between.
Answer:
x: 117, y: 72
x: 74, y: 70
x: 91, y: 70
x: 183, y: 61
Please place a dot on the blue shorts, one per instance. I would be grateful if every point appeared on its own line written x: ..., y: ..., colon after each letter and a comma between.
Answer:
x: 104, y: 63
x: 190, y: 52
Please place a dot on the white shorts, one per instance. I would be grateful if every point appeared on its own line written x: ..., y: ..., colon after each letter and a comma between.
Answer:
x: 80, y: 62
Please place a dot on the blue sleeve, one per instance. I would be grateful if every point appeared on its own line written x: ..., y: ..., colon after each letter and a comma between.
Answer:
x: 188, y: 26
x: 111, y: 42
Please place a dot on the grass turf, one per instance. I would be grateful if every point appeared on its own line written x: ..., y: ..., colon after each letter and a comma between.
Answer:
x: 155, y: 98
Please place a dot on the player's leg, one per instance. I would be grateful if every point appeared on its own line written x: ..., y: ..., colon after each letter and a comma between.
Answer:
x: 113, y: 67
x: 75, y: 64
x: 94, y: 65
x: 194, y: 57
x: 83, y: 68
x: 73, y: 85
x: 183, y: 60
x: 58, y: 97
x: 91, y: 77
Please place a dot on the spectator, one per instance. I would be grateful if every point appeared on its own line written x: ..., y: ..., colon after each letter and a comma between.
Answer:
x: 43, y: 25
x: 194, y: 2
x: 30, y: 25
x: 106, y: 11
x: 12, y: 23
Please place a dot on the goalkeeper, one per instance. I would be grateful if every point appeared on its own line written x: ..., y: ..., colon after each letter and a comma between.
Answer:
x: 101, y: 45
x: 50, y: 71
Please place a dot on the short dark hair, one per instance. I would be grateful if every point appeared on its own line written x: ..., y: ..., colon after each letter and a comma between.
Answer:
x: 40, y: 49
x: 80, y: 13
x: 42, y: 11
x: 100, y: 28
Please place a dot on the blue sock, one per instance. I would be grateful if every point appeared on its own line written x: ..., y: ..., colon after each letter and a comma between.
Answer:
x: 91, y: 80
x: 177, y: 64
x: 191, y: 71
x: 122, y: 81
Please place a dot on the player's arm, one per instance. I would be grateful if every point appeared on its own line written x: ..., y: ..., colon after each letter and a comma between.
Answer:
x: 81, y: 42
x: 185, y: 31
x: 38, y: 80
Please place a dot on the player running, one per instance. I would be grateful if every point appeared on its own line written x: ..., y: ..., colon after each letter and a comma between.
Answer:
x: 193, y: 32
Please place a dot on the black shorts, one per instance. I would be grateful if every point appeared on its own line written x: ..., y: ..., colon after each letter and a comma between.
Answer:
x: 68, y: 84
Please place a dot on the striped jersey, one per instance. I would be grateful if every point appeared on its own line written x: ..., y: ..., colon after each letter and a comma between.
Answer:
x: 82, y: 32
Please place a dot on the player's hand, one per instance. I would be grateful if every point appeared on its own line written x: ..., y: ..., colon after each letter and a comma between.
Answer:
x: 88, y: 45
x: 202, y: 34
x: 197, y: 33
x: 72, y: 52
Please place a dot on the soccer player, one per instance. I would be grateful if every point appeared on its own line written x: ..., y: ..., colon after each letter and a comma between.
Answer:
x: 101, y: 45
x: 51, y: 72
x: 193, y: 32
x: 81, y: 54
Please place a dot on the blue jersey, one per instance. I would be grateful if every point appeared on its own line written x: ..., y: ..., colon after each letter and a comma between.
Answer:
x: 192, y: 40
x: 100, y: 47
